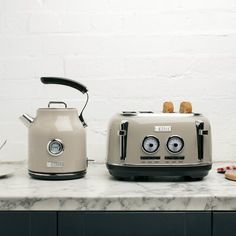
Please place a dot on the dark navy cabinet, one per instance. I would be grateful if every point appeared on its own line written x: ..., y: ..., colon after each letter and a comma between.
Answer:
x: 224, y: 223
x: 134, y: 223
x: 28, y: 223
x: 88, y: 223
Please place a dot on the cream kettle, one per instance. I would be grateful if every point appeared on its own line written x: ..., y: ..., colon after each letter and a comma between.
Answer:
x: 57, y: 138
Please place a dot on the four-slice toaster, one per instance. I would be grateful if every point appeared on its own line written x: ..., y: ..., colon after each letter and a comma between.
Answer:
x: 159, y: 144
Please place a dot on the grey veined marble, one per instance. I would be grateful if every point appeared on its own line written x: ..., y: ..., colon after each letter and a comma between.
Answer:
x: 99, y: 191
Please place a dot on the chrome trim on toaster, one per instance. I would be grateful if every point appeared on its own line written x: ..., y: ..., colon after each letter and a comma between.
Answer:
x: 123, y: 132
x: 148, y: 114
x: 161, y: 165
x: 200, y: 138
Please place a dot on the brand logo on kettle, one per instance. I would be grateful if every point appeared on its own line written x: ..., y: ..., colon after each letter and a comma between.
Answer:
x: 165, y: 128
x: 54, y: 164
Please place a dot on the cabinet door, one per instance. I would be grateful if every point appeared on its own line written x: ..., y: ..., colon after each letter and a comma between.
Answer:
x: 224, y: 223
x: 198, y: 223
x: 43, y: 223
x: 134, y: 223
x: 71, y: 223
x: 14, y: 223
x: 121, y: 223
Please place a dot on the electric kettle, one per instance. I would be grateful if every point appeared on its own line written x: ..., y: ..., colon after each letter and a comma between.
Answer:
x: 57, y: 138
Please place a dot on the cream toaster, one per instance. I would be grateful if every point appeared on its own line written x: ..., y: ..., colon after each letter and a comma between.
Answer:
x: 159, y: 144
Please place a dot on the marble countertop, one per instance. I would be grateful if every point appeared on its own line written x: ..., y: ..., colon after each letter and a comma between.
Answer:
x: 99, y: 191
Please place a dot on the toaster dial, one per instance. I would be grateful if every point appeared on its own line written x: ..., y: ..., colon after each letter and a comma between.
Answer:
x: 55, y: 147
x: 175, y: 144
x: 150, y: 144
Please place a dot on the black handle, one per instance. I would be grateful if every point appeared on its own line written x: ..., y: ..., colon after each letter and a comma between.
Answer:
x: 66, y: 82
x: 70, y: 83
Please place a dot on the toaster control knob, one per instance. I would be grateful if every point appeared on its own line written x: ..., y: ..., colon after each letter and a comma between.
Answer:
x: 55, y: 147
x: 150, y: 144
x: 175, y: 144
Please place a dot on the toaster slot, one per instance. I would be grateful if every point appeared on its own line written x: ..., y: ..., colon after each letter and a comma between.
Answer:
x: 200, y: 138
x: 123, y: 139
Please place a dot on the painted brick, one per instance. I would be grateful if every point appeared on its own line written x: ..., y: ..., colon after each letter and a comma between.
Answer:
x: 91, y: 22
x: 140, y: 45
x: 107, y: 23
x: 20, y: 46
x: 15, y: 24
x: 44, y: 23
x: 72, y: 22
x: 194, y: 22
x: 20, y: 90
x: 27, y: 67
x: 170, y: 5
x: 15, y: 68
x: 23, y: 5
x: 76, y: 6
x: 130, y: 56
x: 81, y: 67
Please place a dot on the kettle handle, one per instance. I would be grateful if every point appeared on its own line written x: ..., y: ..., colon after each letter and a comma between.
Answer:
x: 66, y: 82
x: 70, y: 83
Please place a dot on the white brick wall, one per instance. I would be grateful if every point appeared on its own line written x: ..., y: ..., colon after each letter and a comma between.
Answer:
x: 161, y: 50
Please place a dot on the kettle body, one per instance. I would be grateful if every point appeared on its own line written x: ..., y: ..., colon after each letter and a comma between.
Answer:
x: 57, y: 140
x: 57, y: 144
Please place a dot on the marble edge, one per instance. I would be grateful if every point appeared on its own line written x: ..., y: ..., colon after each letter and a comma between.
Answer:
x: 119, y: 204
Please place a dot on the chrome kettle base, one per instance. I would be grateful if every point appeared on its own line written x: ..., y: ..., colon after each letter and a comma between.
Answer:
x: 130, y: 172
x: 57, y: 176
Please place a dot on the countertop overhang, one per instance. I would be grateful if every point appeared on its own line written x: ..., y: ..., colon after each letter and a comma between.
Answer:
x: 98, y: 191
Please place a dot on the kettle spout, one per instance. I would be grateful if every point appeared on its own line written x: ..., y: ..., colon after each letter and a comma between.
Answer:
x: 27, y: 120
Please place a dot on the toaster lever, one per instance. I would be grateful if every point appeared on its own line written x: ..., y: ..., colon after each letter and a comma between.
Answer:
x: 203, y: 132
x: 200, y: 138
x: 123, y: 132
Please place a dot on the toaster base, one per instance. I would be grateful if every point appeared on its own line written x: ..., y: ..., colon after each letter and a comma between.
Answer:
x: 189, y: 172
x: 57, y: 176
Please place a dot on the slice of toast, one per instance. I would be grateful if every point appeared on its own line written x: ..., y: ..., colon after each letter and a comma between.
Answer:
x: 168, y: 107
x: 185, y: 107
